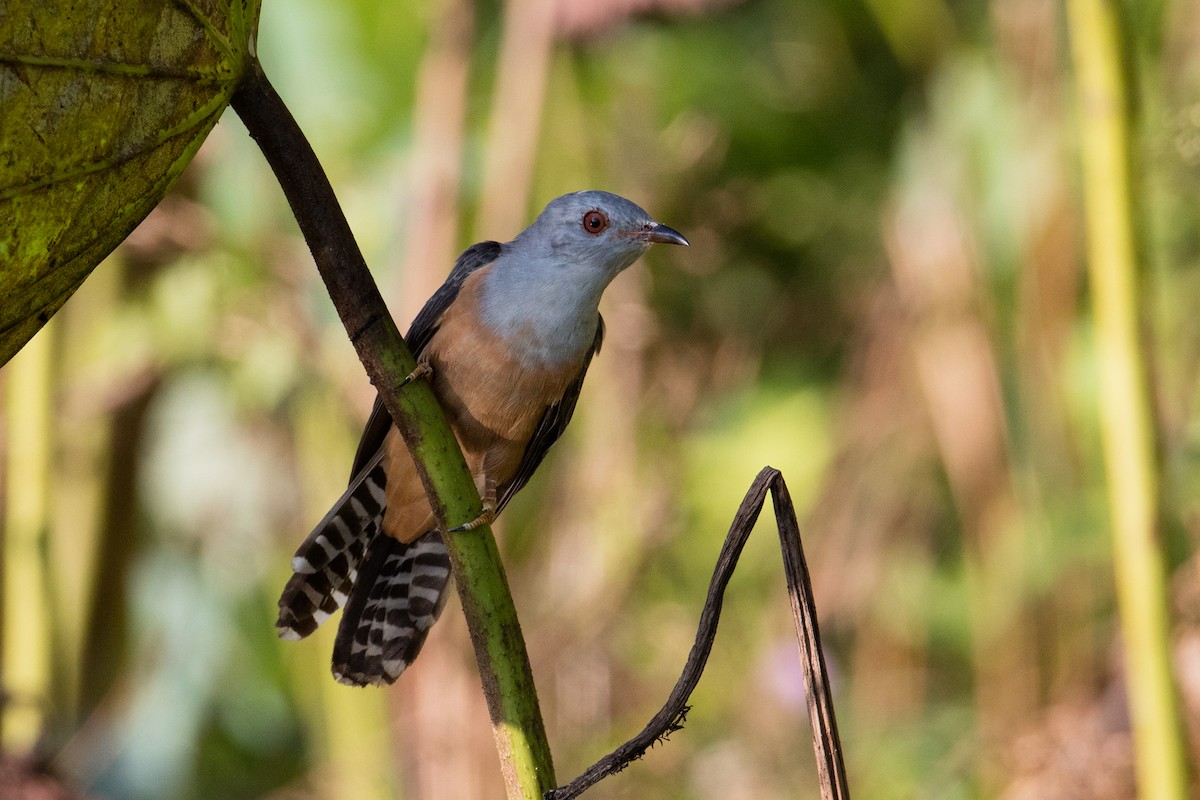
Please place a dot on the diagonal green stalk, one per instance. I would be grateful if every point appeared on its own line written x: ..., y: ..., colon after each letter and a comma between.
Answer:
x: 1103, y: 66
x: 478, y: 573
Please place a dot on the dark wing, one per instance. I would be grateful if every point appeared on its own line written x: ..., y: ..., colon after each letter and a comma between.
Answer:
x: 477, y: 256
x: 550, y: 427
x: 420, y: 332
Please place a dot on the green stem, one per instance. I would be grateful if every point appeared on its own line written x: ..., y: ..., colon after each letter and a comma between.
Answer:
x: 478, y: 573
x: 1107, y: 124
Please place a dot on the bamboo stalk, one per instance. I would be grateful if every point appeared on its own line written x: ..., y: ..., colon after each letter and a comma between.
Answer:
x: 522, y: 67
x: 26, y: 617
x: 439, y: 126
x: 1103, y: 67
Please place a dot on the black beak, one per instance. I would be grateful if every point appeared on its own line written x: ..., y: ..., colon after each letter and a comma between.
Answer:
x: 661, y: 234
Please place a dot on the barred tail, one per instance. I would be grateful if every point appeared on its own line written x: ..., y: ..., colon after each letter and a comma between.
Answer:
x: 326, y: 564
x: 398, y: 594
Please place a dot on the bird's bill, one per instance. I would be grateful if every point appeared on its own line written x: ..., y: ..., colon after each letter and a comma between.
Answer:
x: 661, y: 234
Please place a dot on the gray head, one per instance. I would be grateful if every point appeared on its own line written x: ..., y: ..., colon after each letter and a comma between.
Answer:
x: 593, y: 230
x: 544, y: 289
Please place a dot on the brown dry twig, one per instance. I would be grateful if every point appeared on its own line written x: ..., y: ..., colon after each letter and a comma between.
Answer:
x: 831, y: 771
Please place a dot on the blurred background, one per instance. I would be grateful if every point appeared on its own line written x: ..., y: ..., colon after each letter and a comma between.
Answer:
x: 885, y: 298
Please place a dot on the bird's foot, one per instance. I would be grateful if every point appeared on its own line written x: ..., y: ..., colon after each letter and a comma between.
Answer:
x: 423, y: 370
x: 488, y: 515
x: 486, y: 518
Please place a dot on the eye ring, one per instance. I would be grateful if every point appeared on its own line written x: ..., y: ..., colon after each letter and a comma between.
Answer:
x: 595, y: 222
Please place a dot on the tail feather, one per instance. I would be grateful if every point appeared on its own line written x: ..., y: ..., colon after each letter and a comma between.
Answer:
x: 357, y: 513
x: 309, y: 599
x: 400, y: 592
x: 326, y: 563
x: 393, y: 592
x: 356, y: 629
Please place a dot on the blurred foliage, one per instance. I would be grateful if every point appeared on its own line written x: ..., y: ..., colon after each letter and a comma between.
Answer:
x: 884, y: 297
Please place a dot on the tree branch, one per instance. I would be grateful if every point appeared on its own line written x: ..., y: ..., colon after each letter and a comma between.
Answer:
x: 479, y: 575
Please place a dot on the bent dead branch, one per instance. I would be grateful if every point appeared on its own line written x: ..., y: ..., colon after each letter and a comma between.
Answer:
x: 830, y: 768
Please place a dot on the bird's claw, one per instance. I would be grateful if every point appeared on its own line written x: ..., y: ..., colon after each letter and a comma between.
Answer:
x: 486, y: 518
x: 423, y: 370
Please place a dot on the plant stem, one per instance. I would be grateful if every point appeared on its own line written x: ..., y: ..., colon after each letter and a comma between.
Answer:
x: 479, y: 575
x: 1107, y: 125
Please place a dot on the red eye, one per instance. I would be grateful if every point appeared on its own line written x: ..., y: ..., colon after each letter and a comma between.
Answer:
x: 594, y: 222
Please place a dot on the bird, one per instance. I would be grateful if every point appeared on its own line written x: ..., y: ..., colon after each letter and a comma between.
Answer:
x: 505, y: 343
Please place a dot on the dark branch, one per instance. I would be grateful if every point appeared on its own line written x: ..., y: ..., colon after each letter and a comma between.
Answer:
x: 670, y: 718
x: 831, y: 771
x: 487, y: 602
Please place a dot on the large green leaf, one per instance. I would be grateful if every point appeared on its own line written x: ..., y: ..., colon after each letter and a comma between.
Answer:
x: 102, y: 105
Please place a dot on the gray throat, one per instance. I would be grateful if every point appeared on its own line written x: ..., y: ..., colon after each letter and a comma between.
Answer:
x: 545, y: 308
